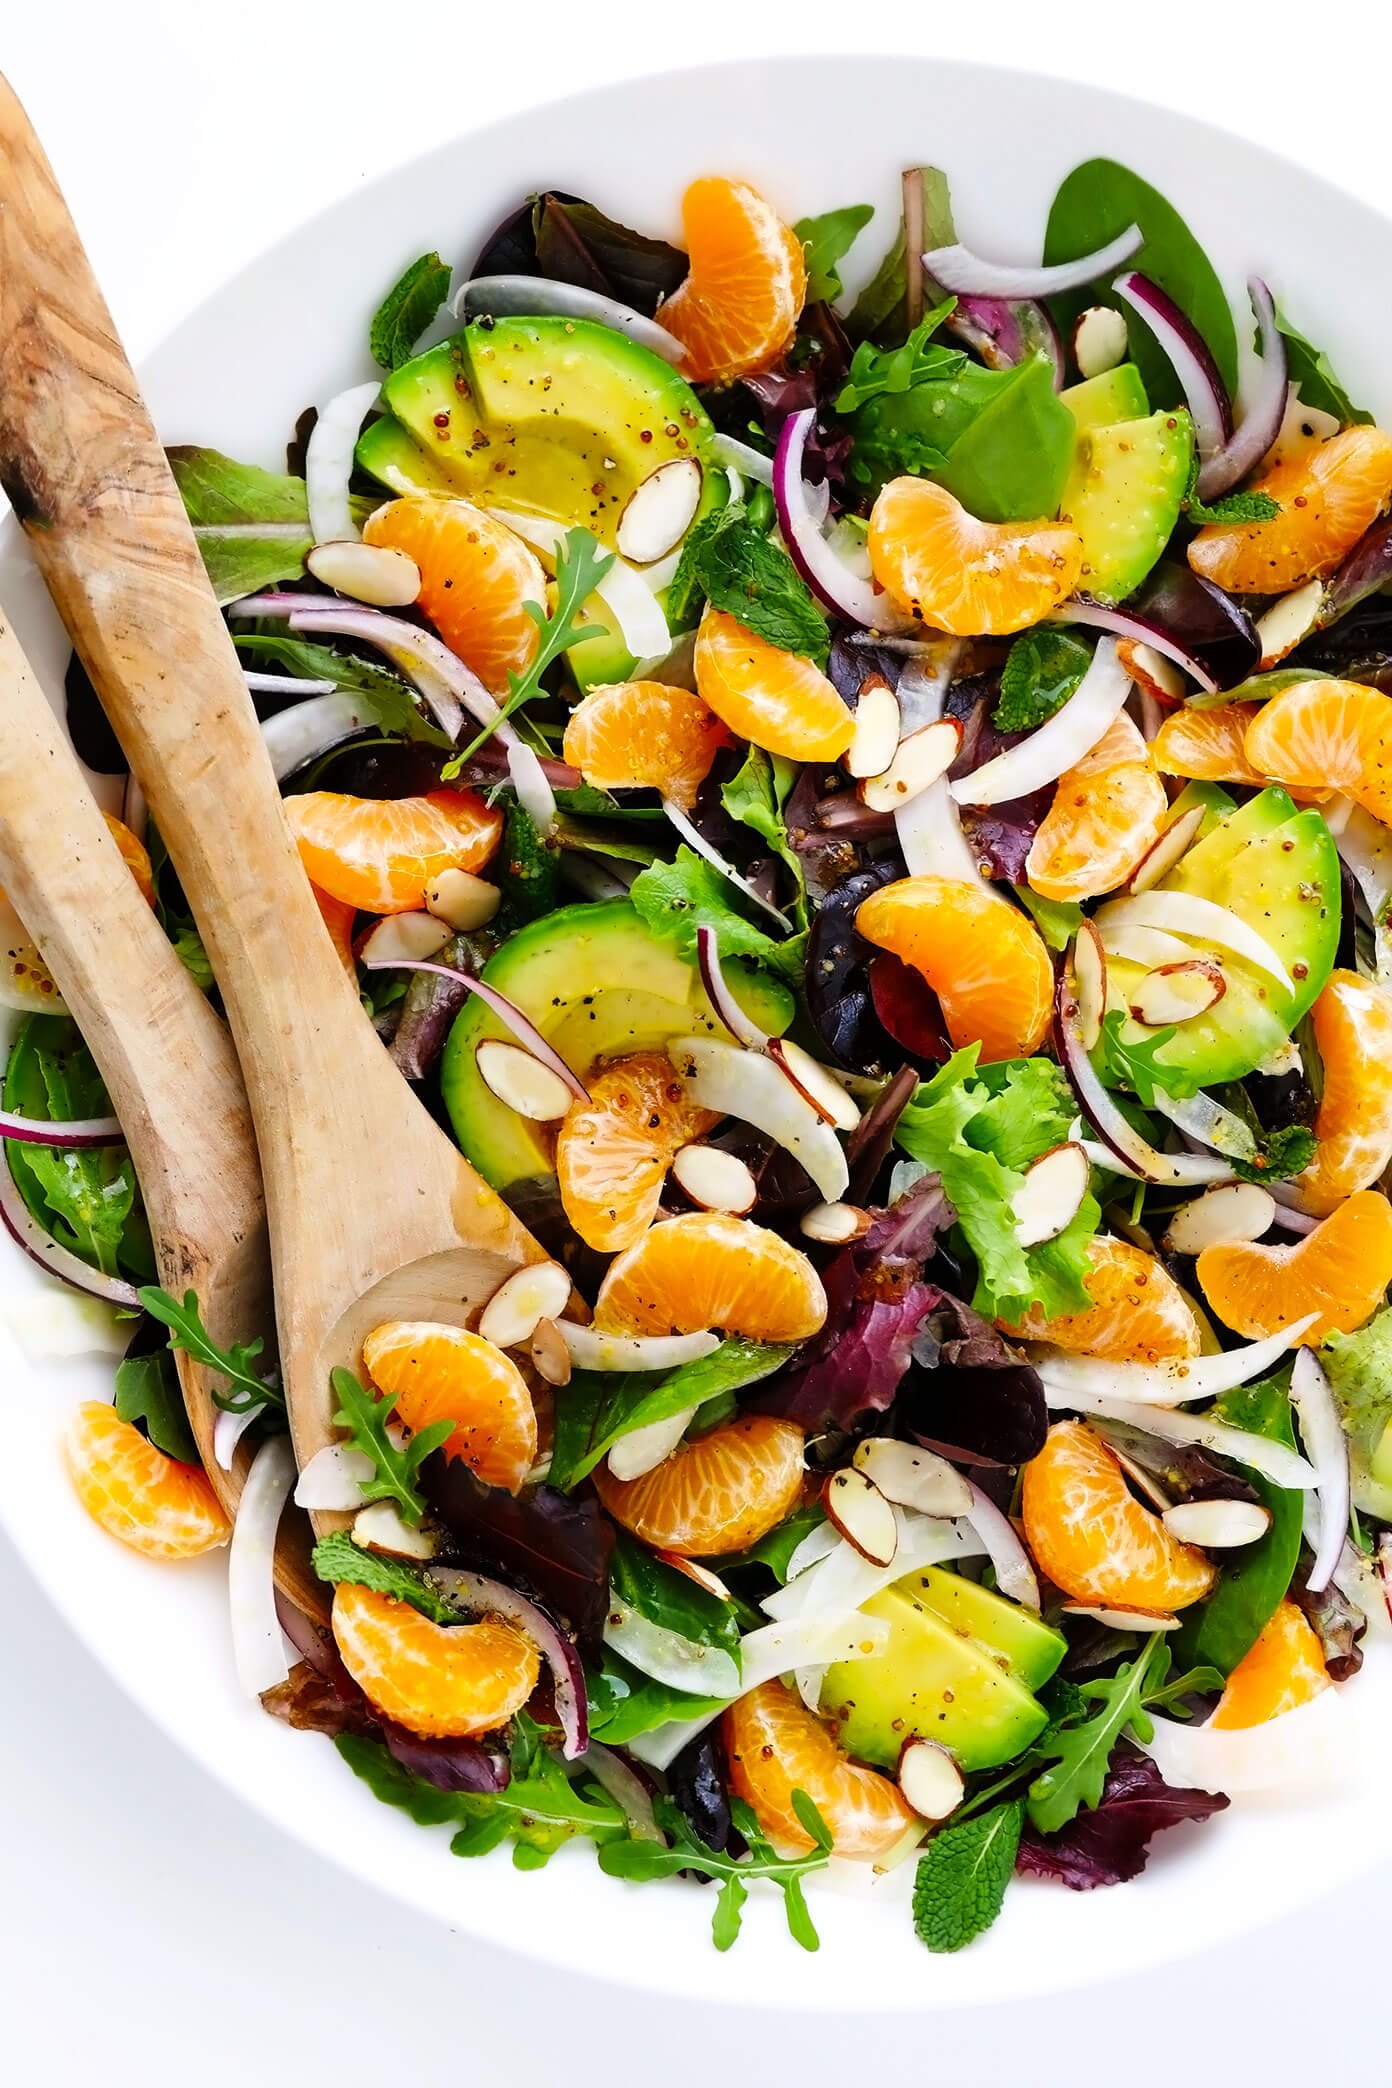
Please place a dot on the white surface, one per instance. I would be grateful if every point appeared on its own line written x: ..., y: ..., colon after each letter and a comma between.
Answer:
x: 151, y: 1920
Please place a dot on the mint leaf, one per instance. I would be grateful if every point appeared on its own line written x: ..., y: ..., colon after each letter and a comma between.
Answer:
x: 826, y: 240
x: 338, y: 1558
x: 237, y: 1364
x: 960, y: 1883
x: 409, y: 307
x: 877, y: 371
x: 1078, y: 1755
x: 148, y: 1393
x: 365, y: 1418
x: 740, y: 569
x: 675, y: 899
x: 1041, y: 671
x: 1286, y: 1152
x: 251, y: 526
x: 602, y: 1405
x: 1231, y: 507
x: 393, y: 703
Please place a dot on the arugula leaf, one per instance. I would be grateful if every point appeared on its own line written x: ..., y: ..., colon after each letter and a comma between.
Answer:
x: 959, y: 1886
x: 252, y: 526
x: 187, y: 1332
x: 148, y: 1393
x: 1310, y: 371
x: 1286, y: 1152
x: 392, y: 702
x: 675, y: 899
x: 826, y: 240
x: 365, y: 1417
x: 338, y: 1558
x: 876, y: 371
x: 740, y: 569
x: 1078, y: 1755
x: 87, y: 1199
x: 643, y: 1860
x: 1135, y: 1063
x: 625, y: 1703
x: 599, y: 1406
x: 409, y: 307
x: 580, y: 565
x: 1041, y: 671
x: 670, y: 1599
x: 756, y: 795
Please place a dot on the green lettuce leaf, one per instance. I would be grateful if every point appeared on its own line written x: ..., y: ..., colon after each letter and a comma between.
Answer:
x: 676, y: 898
x: 252, y: 526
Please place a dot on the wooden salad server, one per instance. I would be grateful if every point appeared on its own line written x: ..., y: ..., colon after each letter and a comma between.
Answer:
x: 374, y: 1214
x: 164, y: 1055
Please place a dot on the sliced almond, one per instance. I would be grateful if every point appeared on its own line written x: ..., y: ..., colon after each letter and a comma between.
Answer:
x: 1051, y: 1195
x: 929, y: 1779
x: 876, y: 735
x: 521, y: 1082
x: 1175, y: 993
x: 660, y: 511
x: 834, y: 1224
x: 372, y: 573
x: 379, y: 1528
x: 862, y: 1515
x: 1166, y: 850
x: 549, y: 1354
x: 1099, y: 340
x: 919, y: 761
x: 815, y: 1084
x: 1118, y: 1619
x: 695, y: 1571
x: 1289, y: 620
x: 1238, y: 1211
x: 466, y: 902
x: 404, y: 938
x: 912, y: 1477
x: 642, y: 1450
x: 715, y: 1180
x: 516, y: 1309
x: 1218, y: 1525
x: 1151, y: 671
x: 1089, y: 983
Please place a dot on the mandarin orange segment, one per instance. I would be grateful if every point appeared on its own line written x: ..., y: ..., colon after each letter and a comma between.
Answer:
x: 613, y: 1152
x: 443, y: 1681
x: 442, y: 1373
x: 1139, y: 1314
x: 379, y: 854
x: 704, y: 1269
x: 776, y: 699
x: 1105, y: 816
x: 338, y: 918
x: 985, y: 961
x: 739, y: 306
x: 1094, y: 1539
x: 719, y: 1493
x: 1352, y: 1023
x: 156, y: 1506
x: 1327, y: 497
x: 477, y: 579
x: 1318, y: 734
x: 969, y: 578
x: 1281, y: 1670
x: 644, y: 735
x: 775, y: 1746
x: 1339, y: 1272
x: 1209, y: 745
x: 134, y: 854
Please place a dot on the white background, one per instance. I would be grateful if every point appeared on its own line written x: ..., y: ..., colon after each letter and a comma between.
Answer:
x: 150, y: 1928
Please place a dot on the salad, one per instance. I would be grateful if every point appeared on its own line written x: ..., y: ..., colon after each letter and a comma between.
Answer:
x: 866, y: 815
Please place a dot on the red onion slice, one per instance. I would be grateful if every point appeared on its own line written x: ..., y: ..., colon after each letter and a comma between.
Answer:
x: 694, y: 838
x: 524, y: 296
x: 846, y: 594
x: 1081, y: 609
x: 1205, y: 393
x: 1261, y: 423
x: 1057, y: 745
x: 74, y: 1134
x: 258, y: 1646
x: 1015, y: 1575
x: 507, y: 1012
x: 719, y: 995
x: 1326, y: 1446
x: 960, y: 270
x: 329, y: 463
x: 627, y: 1789
x: 28, y: 1234
x: 476, y: 1591
x: 448, y: 686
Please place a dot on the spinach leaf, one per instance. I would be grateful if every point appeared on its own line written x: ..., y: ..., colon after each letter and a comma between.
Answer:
x: 409, y: 307
x: 625, y: 1703
x: 1253, y: 1580
x: 1002, y: 441
x: 826, y: 240
x: 252, y: 526
x: 670, y: 1599
x: 960, y: 1882
x: 1310, y: 369
x: 392, y: 702
x: 148, y: 1393
x: 599, y: 1406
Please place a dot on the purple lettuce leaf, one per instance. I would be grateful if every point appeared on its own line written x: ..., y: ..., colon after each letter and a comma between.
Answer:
x: 1000, y: 835
x: 972, y: 1397
x: 554, y: 1546
x: 1338, y: 1624
x: 1111, y: 1843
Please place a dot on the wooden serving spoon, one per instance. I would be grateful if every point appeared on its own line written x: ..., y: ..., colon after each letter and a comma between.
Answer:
x: 374, y: 1214
x: 165, y: 1057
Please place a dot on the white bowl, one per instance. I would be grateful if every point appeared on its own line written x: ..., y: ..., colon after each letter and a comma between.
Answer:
x: 292, y: 328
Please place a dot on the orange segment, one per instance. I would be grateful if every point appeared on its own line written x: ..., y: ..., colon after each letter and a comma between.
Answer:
x: 1283, y: 1669
x: 778, y: 700
x: 156, y: 1506
x: 776, y: 1746
x: 1139, y: 1313
x: 1105, y: 816
x: 644, y: 735
x: 719, y: 1493
x: 379, y: 854
x: 135, y: 855
x: 985, y: 961
x: 1327, y: 497
x: 444, y: 1681
x: 705, y: 1269
x: 1352, y: 1022
x: 1323, y: 734
x: 1208, y: 744
x: 338, y: 918
x: 613, y: 1152
x: 441, y: 1373
x: 738, y: 308
x: 1339, y: 1272
x: 476, y: 580
x: 1094, y: 1539
x: 967, y: 577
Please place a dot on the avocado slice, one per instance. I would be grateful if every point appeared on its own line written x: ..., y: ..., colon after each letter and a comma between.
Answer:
x: 394, y: 457
x: 1117, y: 395
x: 598, y: 985
x: 930, y: 1681
x: 1123, y: 497
x: 557, y: 417
x: 1022, y: 1641
x: 1278, y: 869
